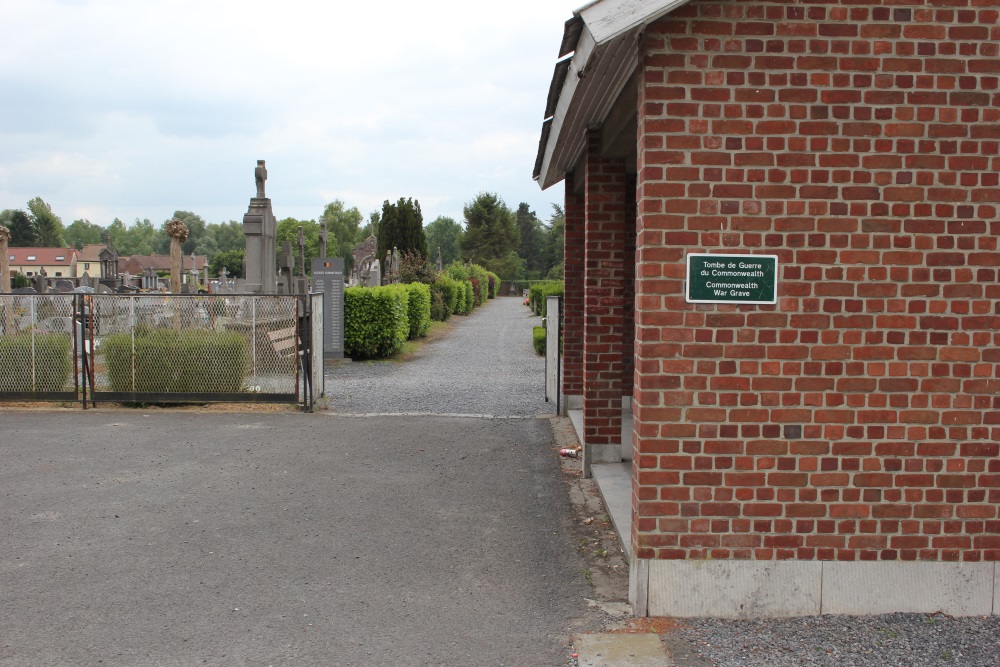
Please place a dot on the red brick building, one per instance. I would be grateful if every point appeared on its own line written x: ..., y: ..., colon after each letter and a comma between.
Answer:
x: 839, y: 450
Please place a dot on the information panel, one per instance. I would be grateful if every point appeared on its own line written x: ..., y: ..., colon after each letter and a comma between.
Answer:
x: 328, y: 278
x: 731, y: 278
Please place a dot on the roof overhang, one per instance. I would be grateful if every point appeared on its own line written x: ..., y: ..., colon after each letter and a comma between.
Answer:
x: 603, y: 39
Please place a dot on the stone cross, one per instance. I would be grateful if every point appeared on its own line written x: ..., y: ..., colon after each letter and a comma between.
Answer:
x: 260, y: 176
x: 223, y: 273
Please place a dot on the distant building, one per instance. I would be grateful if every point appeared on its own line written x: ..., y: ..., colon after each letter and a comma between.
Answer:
x: 136, y: 265
x: 53, y: 262
x: 89, y: 260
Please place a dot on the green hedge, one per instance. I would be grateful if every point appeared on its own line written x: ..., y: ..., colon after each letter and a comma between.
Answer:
x: 53, y: 362
x: 376, y: 320
x: 168, y: 360
x: 447, y: 289
x: 540, y: 290
x: 538, y: 340
x: 470, y: 297
x: 419, y: 310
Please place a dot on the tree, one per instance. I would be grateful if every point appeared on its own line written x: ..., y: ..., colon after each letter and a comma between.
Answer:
x: 371, y: 228
x: 141, y: 238
x: 196, y: 230
x: 344, y: 225
x: 231, y: 259
x: 22, y: 229
x: 83, y: 231
x: 288, y: 230
x: 402, y: 227
x: 444, y: 233
x: 490, y: 235
x: 532, y: 246
x: 554, y: 243
x: 47, y: 223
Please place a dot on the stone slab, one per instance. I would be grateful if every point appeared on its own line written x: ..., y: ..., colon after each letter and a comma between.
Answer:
x: 996, y: 589
x: 614, y: 480
x: 734, y: 589
x: 882, y: 587
x: 621, y: 650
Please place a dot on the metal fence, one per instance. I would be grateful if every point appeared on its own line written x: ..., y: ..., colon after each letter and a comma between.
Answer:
x: 38, y: 348
x: 156, y: 348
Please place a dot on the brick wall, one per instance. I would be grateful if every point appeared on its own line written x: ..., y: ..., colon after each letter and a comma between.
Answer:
x: 603, y: 327
x: 859, y: 418
x: 628, y: 294
x: 572, y: 366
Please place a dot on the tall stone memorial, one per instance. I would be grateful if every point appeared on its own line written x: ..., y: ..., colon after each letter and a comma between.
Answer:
x: 260, y: 229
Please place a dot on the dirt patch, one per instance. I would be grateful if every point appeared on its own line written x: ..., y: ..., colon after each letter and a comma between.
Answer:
x: 606, y: 565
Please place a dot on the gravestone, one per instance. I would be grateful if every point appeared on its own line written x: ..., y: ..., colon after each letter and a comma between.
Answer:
x: 39, y: 283
x: 260, y: 228
x: 373, y: 277
x: 63, y: 286
x: 286, y: 264
x: 328, y: 279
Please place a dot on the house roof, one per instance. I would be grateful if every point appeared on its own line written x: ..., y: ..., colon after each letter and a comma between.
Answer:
x: 91, y: 252
x: 602, y: 37
x: 136, y: 264
x: 42, y: 256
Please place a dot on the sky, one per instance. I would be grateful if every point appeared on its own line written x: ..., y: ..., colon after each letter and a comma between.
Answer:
x: 118, y: 108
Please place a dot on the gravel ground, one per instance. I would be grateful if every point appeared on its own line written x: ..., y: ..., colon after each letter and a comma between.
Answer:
x: 897, y: 640
x: 484, y: 366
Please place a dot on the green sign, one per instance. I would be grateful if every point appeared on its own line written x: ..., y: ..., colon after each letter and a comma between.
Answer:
x: 731, y: 278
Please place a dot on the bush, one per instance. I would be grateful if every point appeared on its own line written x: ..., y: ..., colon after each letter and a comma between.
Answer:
x: 446, y: 289
x: 470, y: 297
x: 538, y: 340
x: 53, y: 362
x: 376, y: 320
x: 169, y: 360
x: 419, y: 309
x: 542, y: 289
x: 460, y: 298
x: 439, y: 312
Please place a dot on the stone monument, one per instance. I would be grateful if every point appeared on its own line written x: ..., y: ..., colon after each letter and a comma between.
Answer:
x: 440, y: 266
x: 260, y: 229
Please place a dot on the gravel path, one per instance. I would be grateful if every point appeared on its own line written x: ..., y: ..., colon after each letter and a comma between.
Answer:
x: 484, y: 366
x: 909, y: 640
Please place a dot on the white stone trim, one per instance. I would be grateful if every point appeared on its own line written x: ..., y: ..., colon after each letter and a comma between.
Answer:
x: 773, y: 589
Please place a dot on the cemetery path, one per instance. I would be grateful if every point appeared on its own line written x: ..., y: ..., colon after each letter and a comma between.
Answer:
x: 484, y: 366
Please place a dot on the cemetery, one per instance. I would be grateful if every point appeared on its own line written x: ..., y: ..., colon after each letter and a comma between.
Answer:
x: 141, y: 337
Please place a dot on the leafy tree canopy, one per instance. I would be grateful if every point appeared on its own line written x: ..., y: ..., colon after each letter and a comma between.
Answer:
x: 554, y: 243
x: 401, y: 227
x: 490, y: 232
x: 83, y: 231
x: 532, y: 247
x: 141, y: 238
x: 446, y: 234
x: 288, y: 230
x: 231, y: 259
x: 22, y: 228
x: 47, y: 224
x: 343, y: 226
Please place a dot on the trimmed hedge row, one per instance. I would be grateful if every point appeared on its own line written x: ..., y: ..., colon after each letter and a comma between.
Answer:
x: 376, y: 320
x: 539, y: 291
x: 538, y: 340
x: 53, y: 362
x: 168, y: 360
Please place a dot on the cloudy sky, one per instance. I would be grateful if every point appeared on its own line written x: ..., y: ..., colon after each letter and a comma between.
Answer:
x: 119, y: 108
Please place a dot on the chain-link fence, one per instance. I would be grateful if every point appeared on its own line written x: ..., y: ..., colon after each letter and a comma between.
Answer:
x: 38, y: 345
x: 155, y: 348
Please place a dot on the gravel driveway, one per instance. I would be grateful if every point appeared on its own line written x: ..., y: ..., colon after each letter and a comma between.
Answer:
x: 484, y: 366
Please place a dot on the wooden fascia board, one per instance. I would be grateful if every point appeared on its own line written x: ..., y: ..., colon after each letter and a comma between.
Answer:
x: 607, y: 19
